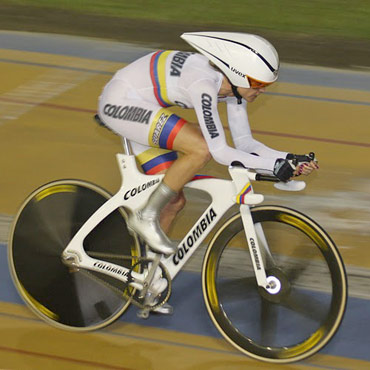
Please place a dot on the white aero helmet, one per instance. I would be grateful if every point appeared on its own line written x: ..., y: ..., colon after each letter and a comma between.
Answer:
x: 247, y: 60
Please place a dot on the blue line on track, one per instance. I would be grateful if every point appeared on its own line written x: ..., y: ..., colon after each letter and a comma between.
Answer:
x: 97, y: 71
x: 121, y: 52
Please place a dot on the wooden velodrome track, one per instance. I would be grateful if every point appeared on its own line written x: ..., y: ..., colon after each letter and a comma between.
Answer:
x: 48, y: 95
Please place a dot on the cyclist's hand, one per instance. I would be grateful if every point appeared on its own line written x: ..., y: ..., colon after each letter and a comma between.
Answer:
x: 284, y: 169
x: 304, y: 164
x: 306, y: 168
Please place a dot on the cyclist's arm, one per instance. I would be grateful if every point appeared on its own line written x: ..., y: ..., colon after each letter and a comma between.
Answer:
x: 241, y: 132
x: 204, y: 97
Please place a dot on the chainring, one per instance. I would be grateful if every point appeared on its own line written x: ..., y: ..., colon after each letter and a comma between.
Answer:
x: 160, y: 299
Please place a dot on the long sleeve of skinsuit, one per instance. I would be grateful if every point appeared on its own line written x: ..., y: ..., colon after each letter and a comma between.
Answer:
x: 205, y: 99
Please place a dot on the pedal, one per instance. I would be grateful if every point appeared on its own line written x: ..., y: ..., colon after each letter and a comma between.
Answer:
x: 165, y: 309
x: 143, y: 313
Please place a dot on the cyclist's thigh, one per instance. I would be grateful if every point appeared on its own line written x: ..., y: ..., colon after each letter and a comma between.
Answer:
x: 155, y: 160
x: 144, y: 122
x: 190, y: 139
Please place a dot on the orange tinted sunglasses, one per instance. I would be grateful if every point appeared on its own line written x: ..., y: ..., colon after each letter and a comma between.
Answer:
x: 255, y: 84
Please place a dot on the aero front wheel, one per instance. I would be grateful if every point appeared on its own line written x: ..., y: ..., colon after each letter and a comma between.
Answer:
x: 308, y: 304
x: 74, y: 299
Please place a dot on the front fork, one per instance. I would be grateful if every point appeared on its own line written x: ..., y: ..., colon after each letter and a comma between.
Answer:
x: 258, y: 248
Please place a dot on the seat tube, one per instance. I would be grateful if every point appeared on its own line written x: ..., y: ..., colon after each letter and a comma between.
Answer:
x: 126, y: 146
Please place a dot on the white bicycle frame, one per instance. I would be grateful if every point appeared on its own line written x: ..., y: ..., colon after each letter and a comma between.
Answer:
x: 134, y: 192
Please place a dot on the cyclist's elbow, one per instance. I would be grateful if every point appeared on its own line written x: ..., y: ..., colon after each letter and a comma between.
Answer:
x: 220, y: 157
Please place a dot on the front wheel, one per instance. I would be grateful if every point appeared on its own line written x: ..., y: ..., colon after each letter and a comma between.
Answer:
x: 308, y: 305
x: 68, y: 298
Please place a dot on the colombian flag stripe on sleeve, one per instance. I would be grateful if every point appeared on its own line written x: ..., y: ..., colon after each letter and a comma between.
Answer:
x: 158, y: 77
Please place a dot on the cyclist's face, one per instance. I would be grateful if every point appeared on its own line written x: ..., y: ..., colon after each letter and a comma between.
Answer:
x: 250, y: 94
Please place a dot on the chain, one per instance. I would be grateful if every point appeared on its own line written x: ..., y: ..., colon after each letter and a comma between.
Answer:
x: 119, y: 292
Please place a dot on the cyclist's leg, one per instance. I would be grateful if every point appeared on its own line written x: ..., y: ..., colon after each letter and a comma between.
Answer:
x: 171, y: 210
x: 188, y: 141
x: 195, y: 154
x: 191, y: 144
x: 158, y: 161
x: 147, y: 123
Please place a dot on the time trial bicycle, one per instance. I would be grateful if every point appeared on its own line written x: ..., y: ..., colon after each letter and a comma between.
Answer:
x: 274, y: 283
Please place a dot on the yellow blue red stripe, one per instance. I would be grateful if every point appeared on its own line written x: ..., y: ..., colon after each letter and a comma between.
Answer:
x: 240, y: 197
x: 170, y: 130
x: 158, y: 77
x: 164, y: 128
x: 155, y: 160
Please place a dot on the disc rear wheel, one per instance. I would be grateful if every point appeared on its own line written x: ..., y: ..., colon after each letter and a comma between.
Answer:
x: 70, y: 298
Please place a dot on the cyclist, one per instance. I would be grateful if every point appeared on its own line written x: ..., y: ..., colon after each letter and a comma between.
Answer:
x: 231, y: 67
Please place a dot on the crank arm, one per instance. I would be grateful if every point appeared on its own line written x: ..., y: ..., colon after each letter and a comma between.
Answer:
x: 148, y: 280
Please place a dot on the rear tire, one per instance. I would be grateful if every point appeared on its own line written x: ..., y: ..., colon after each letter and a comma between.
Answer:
x: 66, y: 298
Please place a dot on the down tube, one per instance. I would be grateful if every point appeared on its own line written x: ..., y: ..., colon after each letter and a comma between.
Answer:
x: 195, y: 237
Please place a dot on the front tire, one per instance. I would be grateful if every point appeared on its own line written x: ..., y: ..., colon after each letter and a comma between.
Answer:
x: 307, y: 310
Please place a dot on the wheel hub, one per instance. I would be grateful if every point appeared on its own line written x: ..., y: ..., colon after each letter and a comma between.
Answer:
x: 279, y: 286
x: 274, y: 285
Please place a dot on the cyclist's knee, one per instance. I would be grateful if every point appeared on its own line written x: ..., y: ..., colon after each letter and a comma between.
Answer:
x: 205, y: 153
x: 191, y: 142
x: 201, y: 152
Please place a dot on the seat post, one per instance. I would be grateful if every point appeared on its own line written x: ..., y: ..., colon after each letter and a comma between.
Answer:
x: 126, y: 146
